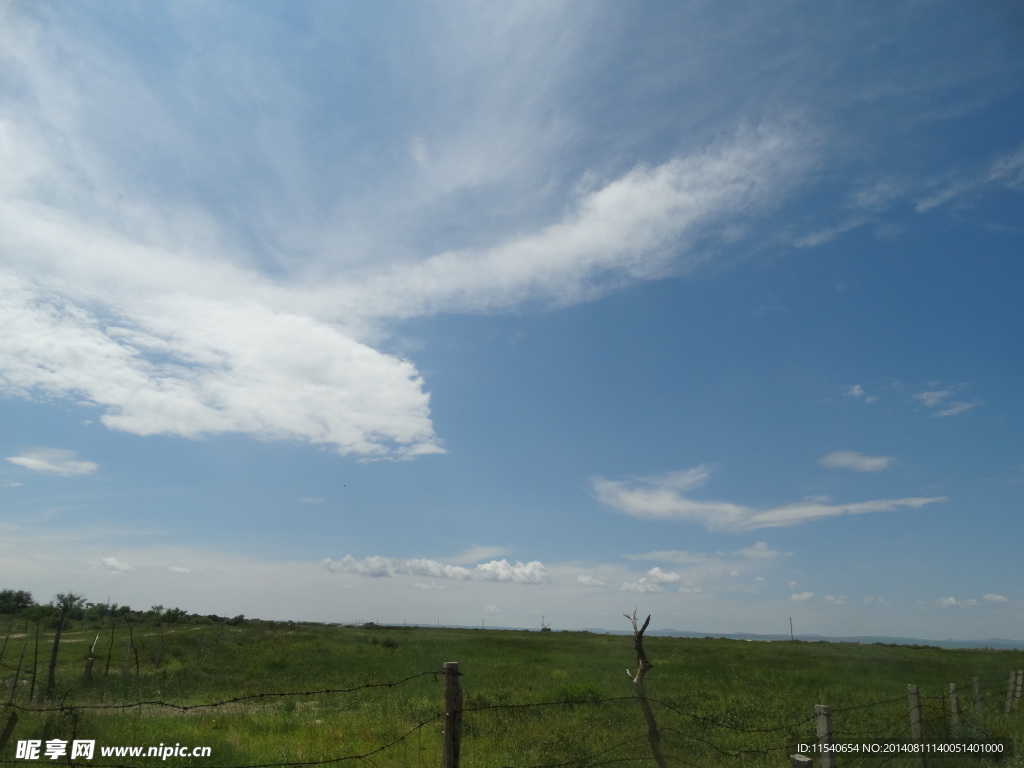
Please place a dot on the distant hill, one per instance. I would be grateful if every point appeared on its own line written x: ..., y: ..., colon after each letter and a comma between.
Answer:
x: 994, y: 642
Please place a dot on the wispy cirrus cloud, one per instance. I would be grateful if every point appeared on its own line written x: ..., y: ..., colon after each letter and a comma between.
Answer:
x: 184, y: 334
x: 661, y: 498
x: 54, y: 461
x: 635, y: 227
x: 938, y: 400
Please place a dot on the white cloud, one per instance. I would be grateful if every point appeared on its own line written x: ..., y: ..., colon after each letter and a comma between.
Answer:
x: 857, y: 391
x: 955, y: 409
x: 855, y: 461
x: 952, y: 602
x: 116, y: 566
x: 659, y: 576
x: 533, y: 572
x: 835, y: 600
x: 659, y: 498
x: 590, y: 581
x: 54, y: 461
x: 931, y: 398
x: 1005, y: 171
x: 801, y: 597
x: 425, y: 567
x: 193, y: 366
x: 642, y: 586
x: 760, y: 549
x: 631, y: 228
x: 179, y: 569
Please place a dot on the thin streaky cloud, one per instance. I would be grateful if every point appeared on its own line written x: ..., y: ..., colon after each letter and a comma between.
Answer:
x: 856, y: 461
x: 54, y: 461
x: 654, y: 500
x: 956, y: 408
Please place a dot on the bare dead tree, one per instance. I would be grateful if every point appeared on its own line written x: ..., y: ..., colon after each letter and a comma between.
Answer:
x: 643, y: 665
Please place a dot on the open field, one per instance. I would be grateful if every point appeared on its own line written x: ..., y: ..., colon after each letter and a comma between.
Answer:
x: 260, y: 693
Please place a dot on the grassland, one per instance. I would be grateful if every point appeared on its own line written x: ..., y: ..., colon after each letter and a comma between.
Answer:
x: 531, y: 698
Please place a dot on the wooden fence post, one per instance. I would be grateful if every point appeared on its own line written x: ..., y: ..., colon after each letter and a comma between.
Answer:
x: 916, y: 735
x: 954, y: 707
x: 1010, y: 689
x: 823, y: 721
x: 452, y: 715
x: 1020, y: 684
x: 51, y: 678
x: 35, y: 666
x: 979, y: 702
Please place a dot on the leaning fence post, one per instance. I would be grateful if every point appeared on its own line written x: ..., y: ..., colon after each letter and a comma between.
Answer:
x: 916, y: 736
x: 954, y: 706
x: 643, y: 665
x: 979, y: 702
x: 823, y: 721
x: 1020, y: 684
x: 1010, y: 688
x: 452, y: 715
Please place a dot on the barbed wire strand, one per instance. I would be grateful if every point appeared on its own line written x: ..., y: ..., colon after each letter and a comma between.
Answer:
x: 247, y: 697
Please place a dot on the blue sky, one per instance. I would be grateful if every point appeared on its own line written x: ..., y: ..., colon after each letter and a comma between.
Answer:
x: 482, y: 313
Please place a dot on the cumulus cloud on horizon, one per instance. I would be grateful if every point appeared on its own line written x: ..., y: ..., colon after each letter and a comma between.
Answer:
x: 533, y: 572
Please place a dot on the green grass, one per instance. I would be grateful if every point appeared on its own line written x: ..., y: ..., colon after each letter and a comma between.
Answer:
x: 530, y: 698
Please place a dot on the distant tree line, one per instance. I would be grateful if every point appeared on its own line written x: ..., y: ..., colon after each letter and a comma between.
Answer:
x: 71, y: 606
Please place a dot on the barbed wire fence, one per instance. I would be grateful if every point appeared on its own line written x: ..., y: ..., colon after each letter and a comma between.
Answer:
x: 670, y: 733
